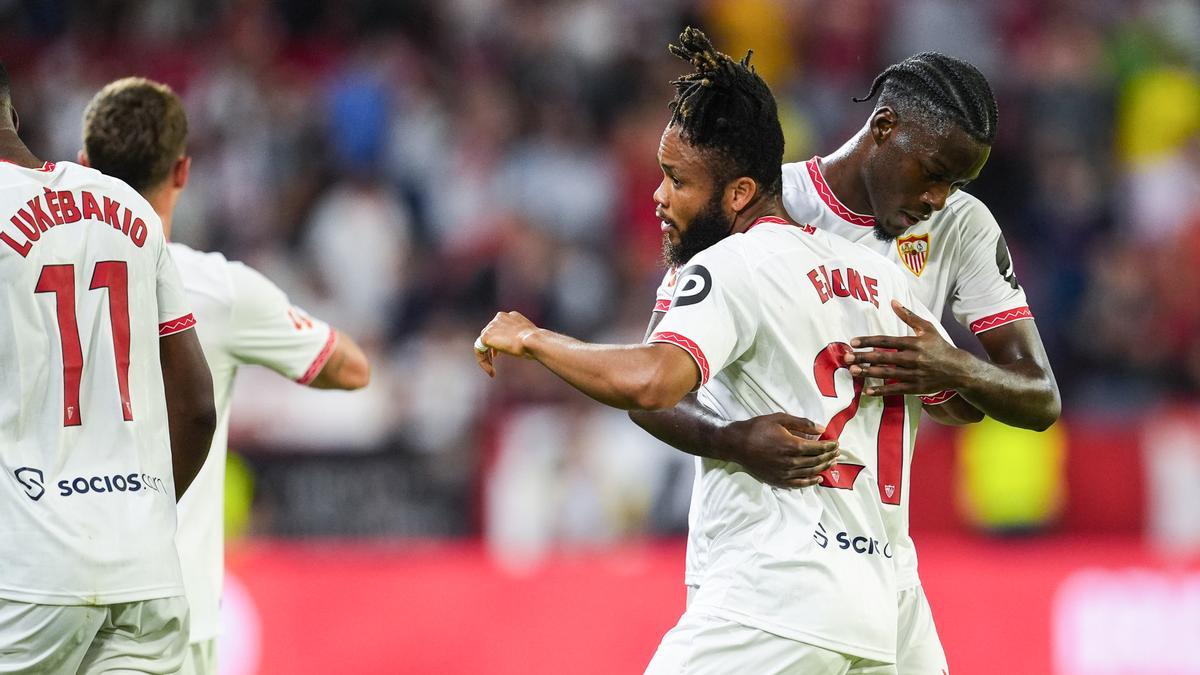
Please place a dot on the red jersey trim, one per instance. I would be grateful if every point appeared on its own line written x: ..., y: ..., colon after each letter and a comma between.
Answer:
x: 46, y: 166
x: 767, y: 219
x: 688, y: 346
x: 939, y: 398
x: 177, y: 325
x: 318, y: 363
x: 662, y: 305
x: 1000, y: 318
x: 831, y: 200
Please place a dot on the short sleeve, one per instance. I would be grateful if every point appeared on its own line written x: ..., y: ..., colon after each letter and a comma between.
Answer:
x: 174, y: 313
x: 987, y: 294
x: 712, y: 312
x: 266, y: 329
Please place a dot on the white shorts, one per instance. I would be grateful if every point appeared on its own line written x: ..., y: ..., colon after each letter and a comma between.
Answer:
x: 148, y: 636
x: 918, y: 648
x: 201, y: 658
x: 705, y: 645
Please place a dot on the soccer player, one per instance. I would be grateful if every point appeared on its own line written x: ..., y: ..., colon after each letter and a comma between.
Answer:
x: 895, y: 187
x: 106, y: 413
x: 796, y: 580
x: 136, y: 130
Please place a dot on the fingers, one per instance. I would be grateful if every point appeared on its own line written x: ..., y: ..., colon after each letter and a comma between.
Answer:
x: 886, y: 373
x: 811, y: 454
x: 921, y: 326
x: 898, y: 389
x: 799, y: 425
x: 880, y: 358
x: 484, y: 359
x: 882, y: 342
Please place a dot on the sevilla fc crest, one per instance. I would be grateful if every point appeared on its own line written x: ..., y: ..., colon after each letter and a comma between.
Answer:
x: 914, y: 251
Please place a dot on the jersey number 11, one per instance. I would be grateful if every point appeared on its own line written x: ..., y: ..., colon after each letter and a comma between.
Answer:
x: 60, y: 280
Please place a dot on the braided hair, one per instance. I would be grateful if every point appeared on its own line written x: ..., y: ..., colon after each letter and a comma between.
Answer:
x: 725, y: 108
x: 933, y: 88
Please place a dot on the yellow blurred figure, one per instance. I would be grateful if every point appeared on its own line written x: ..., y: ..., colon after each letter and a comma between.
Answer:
x: 762, y: 25
x: 1009, y: 478
x: 1158, y: 112
x: 239, y: 495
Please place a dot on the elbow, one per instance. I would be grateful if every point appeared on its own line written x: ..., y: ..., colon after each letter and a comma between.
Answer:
x: 1049, y: 414
x: 654, y: 393
x: 204, y: 417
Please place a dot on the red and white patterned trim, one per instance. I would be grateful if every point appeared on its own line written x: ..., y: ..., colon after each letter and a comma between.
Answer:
x: 176, y: 325
x: 939, y: 398
x: 1000, y: 318
x: 688, y: 346
x: 831, y: 200
x: 662, y: 304
x: 318, y: 363
x: 767, y: 219
x: 46, y: 166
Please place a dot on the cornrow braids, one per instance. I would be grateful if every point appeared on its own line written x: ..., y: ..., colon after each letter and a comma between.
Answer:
x: 726, y: 108
x: 932, y: 87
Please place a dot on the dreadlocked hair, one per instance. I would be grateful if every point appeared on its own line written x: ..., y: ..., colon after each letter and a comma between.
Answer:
x: 933, y: 87
x: 725, y: 108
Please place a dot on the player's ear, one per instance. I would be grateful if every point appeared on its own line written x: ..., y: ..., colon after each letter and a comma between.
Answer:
x: 740, y: 192
x: 83, y: 160
x: 180, y: 172
x: 883, y: 124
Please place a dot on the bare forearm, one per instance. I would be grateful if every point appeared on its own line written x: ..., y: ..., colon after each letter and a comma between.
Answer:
x: 191, y: 413
x: 621, y: 376
x: 347, y: 368
x: 688, y: 426
x: 1022, y: 394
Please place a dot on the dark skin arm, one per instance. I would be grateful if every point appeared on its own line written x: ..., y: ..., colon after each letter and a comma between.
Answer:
x: 1015, y: 386
x: 191, y: 414
x: 779, y: 450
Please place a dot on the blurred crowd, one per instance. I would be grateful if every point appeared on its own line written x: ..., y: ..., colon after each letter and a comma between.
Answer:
x: 405, y: 169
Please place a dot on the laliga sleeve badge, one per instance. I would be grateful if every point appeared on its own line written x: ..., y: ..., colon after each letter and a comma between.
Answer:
x: 914, y: 252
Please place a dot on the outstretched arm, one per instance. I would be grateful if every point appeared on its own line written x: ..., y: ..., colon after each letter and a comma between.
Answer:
x: 1015, y: 386
x: 643, y: 376
x: 347, y: 367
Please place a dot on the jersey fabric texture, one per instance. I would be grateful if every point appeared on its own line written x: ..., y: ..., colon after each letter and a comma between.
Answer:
x: 87, y: 509
x: 707, y: 645
x: 242, y: 318
x: 767, y: 316
x: 147, y: 636
x: 957, y: 259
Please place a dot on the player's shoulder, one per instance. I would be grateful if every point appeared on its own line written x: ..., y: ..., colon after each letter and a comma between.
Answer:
x: 965, y: 213
x: 192, y: 261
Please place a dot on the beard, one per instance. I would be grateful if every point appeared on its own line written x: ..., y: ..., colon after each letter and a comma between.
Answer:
x: 882, y: 234
x: 707, y: 228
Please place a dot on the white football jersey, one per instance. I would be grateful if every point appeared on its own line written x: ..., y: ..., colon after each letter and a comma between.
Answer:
x: 243, y: 318
x: 956, y: 259
x: 768, y: 315
x: 88, y: 513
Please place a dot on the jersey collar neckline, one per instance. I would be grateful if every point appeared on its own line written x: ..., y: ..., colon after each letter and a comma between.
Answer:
x: 839, y: 209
